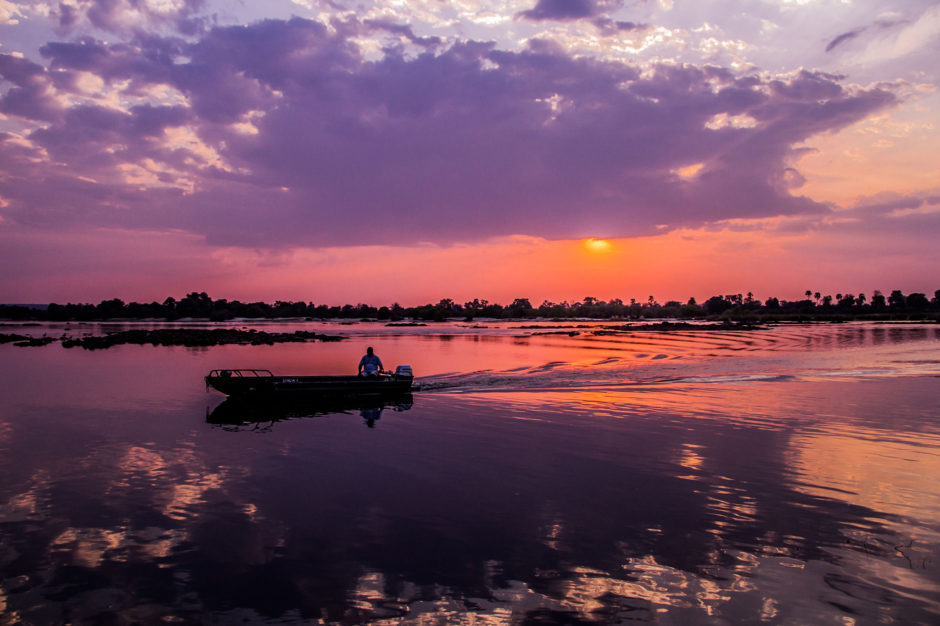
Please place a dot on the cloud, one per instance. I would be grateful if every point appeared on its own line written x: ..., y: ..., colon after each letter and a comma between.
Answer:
x: 887, y: 39
x: 914, y: 37
x: 286, y: 134
x: 31, y: 94
x: 402, y: 30
x: 879, y: 25
x: 121, y: 16
x: 852, y: 34
x: 893, y: 205
x: 565, y: 10
x: 10, y: 13
x: 608, y: 26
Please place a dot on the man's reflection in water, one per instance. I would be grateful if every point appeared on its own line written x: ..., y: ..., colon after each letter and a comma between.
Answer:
x: 371, y: 415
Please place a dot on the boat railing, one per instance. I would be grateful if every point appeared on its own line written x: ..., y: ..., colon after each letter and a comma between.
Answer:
x: 241, y: 373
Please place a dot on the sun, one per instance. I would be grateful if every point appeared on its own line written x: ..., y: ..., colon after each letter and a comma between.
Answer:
x: 598, y: 246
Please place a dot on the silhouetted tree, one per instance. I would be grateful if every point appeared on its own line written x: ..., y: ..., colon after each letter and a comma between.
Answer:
x: 846, y: 301
x: 520, y: 307
x: 897, y: 300
x: 111, y: 308
x: 918, y: 302
x: 716, y: 305
x: 449, y: 308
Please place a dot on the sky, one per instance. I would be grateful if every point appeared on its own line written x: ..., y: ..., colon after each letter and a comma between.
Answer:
x: 387, y: 151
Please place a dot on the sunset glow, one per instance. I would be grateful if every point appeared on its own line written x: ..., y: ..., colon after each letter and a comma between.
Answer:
x: 419, y: 152
x: 497, y: 312
x: 598, y: 246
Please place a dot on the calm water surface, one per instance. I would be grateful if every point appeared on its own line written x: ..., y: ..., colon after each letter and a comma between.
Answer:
x: 782, y: 476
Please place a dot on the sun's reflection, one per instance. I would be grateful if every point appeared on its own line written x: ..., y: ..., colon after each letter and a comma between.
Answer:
x: 645, y: 589
x: 891, y: 473
x: 140, y: 459
x: 185, y: 496
x: 730, y: 506
x: 690, y: 459
x: 369, y: 591
x: 768, y: 610
x: 888, y: 474
x: 88, y: 546
x: 27, y: 505
x: 158, y: 543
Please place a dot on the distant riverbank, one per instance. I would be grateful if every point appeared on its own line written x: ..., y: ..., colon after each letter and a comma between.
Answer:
x: 188, y: 337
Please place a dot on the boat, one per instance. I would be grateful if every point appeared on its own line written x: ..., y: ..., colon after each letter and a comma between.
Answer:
x: 262, y: 382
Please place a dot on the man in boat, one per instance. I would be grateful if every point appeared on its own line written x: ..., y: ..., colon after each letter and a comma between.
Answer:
x: 370, y: 364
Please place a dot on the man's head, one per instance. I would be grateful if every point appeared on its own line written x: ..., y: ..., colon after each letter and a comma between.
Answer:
x: 369, y: 350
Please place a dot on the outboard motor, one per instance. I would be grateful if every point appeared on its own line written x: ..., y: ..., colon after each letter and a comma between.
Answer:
x: 404, y: 371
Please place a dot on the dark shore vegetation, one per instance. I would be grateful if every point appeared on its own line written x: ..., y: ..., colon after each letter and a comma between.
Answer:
x: 8, y: 338
x: 733, y: 307
x: 24, y: 341
x: 193, y: 337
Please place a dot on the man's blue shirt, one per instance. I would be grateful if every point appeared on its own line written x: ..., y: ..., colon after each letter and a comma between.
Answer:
x: 370, y: 364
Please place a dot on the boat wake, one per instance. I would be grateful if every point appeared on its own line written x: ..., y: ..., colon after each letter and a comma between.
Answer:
x: 665, y: 370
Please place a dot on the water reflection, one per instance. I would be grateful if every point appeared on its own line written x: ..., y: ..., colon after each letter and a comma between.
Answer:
x: 730, y: 498
x: 237, y: 411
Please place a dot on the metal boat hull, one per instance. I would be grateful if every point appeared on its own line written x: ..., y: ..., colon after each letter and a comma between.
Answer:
x: 262, y: 382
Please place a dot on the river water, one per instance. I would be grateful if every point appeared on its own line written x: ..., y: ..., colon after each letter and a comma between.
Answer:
x: 789, y: 475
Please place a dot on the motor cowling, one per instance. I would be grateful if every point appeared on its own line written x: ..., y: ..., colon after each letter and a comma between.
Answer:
x: 404, y: 371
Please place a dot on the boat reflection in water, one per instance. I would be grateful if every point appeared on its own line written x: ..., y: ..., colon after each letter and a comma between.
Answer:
x: 248, y: 413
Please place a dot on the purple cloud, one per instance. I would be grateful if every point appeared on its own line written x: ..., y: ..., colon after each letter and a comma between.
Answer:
x: 29, y: 96
x: 402, y: 30
x: 608, y: 26
x: 566, y: 10
x: 856, y: 32
x: 841, y: 39
x: 914, y: 228
x: 302, y: 140
x: 885, y: 207
x: 119, y: 16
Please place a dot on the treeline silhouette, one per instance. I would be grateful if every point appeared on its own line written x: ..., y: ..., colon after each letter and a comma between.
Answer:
x: 814, y: 306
